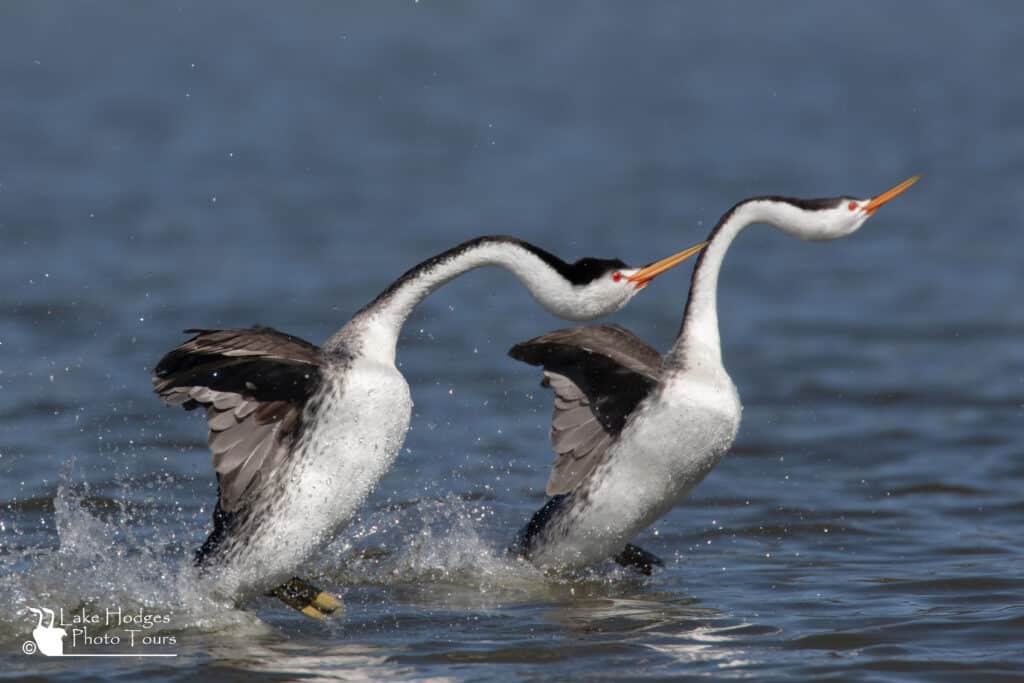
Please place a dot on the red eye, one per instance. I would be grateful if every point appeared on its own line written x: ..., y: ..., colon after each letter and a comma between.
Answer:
x: 852, y: 206
x: 616, y: 276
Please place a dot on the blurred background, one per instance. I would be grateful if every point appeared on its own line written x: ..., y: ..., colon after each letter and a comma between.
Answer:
x: 184, y: 164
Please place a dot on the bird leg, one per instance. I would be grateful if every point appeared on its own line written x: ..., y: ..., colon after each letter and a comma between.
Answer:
x: 301, y: 595
x: 639, y: 559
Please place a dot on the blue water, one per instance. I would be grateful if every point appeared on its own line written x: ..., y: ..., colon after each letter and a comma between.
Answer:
x: 180, y: 165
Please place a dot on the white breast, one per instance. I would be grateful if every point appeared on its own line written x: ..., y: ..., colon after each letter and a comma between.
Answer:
x: 354, y: 437
x: 665, y: 450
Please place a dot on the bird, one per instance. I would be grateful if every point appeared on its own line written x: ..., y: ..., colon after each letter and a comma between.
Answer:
x: 300, y: 434
x: 633, y: 431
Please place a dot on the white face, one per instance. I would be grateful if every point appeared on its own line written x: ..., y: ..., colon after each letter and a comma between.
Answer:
x: 811, y: 219
x: 604, y: 295
x: 851, y: 214
x: 841, y: 220
x: 605, y: 285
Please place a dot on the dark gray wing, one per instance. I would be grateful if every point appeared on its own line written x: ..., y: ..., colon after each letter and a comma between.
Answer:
x: 254, y: 384
x: 599, y: 375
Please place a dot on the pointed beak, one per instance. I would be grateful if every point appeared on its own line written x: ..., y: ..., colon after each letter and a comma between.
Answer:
x: 876, y: 202
x: 648, y: 273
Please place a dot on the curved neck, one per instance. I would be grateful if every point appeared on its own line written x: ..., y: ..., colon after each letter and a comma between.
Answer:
x: 698, y: 343
x: 376, y: 327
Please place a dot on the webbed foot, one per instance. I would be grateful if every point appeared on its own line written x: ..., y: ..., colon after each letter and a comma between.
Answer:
x: 301, y: 595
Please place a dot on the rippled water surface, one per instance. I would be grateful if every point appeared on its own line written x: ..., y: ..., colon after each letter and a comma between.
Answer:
x: 179, y: 165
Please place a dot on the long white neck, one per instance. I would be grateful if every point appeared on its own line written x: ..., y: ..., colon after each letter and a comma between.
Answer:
x: 378, y: 325
x: 698, y: 343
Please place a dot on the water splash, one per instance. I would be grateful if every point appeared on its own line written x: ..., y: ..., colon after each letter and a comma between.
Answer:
x: 101, y: 564
x: 449, y: 550
x: 110, y: 554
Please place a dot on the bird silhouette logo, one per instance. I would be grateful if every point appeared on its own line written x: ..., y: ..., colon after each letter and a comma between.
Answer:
x: 48, y: 639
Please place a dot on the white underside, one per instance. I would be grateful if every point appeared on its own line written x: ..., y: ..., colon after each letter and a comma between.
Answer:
x: 355, y: 438
x: 667, y: 449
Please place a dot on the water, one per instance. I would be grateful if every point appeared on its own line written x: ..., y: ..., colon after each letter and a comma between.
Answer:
x: 177, y: 166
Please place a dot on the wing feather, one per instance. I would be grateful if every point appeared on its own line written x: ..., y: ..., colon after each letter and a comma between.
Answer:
x: 598, y: 376
x: 571, y: 416
x: 254, y: 384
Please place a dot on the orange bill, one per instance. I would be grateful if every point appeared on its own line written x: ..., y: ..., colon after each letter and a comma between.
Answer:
x: 876, y: 202
x: 648, y: 273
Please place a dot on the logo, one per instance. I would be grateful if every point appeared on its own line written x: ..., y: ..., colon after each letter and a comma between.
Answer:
x: 48, y: 640
x: 115, y: 633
